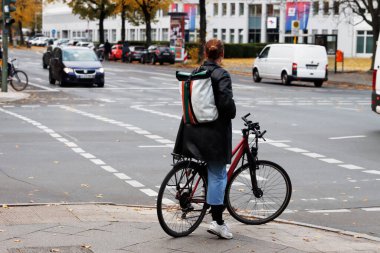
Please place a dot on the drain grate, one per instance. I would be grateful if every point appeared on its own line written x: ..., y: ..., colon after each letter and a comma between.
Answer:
x: 66, y: 249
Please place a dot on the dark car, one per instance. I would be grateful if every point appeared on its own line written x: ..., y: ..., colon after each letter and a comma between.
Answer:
x: 78, y: 65
x: 46, y: 56
x: 135, y: 53
x: 156, y: 53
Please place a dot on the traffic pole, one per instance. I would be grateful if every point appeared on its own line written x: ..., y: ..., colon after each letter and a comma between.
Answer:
x: 4, y: 75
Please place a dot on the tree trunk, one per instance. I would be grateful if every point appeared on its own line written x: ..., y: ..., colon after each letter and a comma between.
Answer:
x: 123, y: 23
x: 101, y: 23
x: 376, y: 32
x: 148, y: 28
x: 20, y: 31
x: 202, y: 30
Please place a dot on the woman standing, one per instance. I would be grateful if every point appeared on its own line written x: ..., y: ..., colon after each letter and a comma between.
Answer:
x: 212, y: 142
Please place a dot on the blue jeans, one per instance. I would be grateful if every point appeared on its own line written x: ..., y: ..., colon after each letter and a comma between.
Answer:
x: 217, y: 181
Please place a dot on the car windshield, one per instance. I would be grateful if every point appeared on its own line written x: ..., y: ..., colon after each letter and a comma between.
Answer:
x: 79, y: 55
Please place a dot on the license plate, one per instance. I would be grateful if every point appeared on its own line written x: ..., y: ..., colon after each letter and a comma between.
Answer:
x: 311, y: 66
x: 84, y: 76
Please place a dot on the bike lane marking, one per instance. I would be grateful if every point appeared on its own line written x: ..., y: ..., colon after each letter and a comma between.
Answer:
x: 75, y: 148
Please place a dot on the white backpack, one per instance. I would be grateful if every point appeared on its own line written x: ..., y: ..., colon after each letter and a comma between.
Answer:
x: 198, y: 101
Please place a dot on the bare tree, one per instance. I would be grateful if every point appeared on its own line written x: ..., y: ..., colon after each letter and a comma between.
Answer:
x: 369, y: 11
x: 202, y: 29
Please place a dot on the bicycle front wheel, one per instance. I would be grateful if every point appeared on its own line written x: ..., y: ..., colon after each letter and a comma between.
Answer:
x: 275, y: 185
x: 19, y: 80
x: 181, y: 201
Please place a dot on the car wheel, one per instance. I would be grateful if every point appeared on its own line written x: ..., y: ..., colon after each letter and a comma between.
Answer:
x: 100, y: 84
x: 172, y: 62
x: 285, y: 78
x: 256, y: 76
x: 161, y: 62
x: 318, y: 84
x: 51, y: 79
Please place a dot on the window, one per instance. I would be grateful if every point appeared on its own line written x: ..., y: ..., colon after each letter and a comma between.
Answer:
x: 215, y: 33
x: 224, y: 9
x: 90, y: 35
x: 315, y: 7
x: 154, y: 34
x: 142, y: 34
x: 364, y: 42
x: 334, y: 31
x: 105, y: 34
x: 133, y: 34
x: 264, y: 54
x: 233, y: 11
x: 254, y: 35
x: 223, y: 35
x: 216, y: 10
x: 165, y: 34
x: 336, y: 8
x: 241, y: 35
x: 113, y: 35
x: 325, y: 31
x: 241, y: 9
x: 232, y: 35
x: 255, y: 10
x: 326, y: 10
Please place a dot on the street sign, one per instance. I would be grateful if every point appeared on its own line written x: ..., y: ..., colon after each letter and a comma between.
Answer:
x: 295, y: 26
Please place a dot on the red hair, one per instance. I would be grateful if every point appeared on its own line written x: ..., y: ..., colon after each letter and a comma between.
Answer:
x: 214, y: 49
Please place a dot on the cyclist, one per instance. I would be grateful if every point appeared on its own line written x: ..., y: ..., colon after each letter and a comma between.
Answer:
x: 212, y: 142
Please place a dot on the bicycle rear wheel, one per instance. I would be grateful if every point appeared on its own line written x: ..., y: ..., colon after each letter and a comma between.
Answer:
x: 275, y: 184
x: 19, y: 80
x: 181, y: 201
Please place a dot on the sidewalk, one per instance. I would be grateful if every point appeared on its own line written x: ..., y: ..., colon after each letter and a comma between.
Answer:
x: 12, y: 95
x: 107, y: 228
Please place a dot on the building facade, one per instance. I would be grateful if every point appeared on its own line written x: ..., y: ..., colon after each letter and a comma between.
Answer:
x: 233, y: 21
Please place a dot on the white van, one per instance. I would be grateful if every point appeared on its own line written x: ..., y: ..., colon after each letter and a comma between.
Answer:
x: 292, y: 62
x: 376, y: 81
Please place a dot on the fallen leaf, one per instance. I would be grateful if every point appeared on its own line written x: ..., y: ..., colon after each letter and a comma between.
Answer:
x: 5, y: 206
x: 306, y: 239
x: 86, y: 246
x: 99, y: 196
x: 84, y: 185
x: 17, y: 240
x: 2, y: 230
x: 55, y: 250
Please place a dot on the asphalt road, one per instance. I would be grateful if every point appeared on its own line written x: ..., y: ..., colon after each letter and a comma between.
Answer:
x: 113, y: 144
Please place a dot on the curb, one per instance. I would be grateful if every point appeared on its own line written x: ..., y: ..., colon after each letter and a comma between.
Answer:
x: 278, y: 221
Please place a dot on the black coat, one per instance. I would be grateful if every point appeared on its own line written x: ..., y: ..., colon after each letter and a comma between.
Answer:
x: 211, y: 141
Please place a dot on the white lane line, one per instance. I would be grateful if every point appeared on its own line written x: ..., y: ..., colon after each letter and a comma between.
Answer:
x: 376, y: 172
x: 42, y: 87
x: 97, y: 161
x: 351, y: 167
x: 165, y: 141
x: 330, y: 211
x: 279, y: 145
x: 109, y: 169
x: 371, y: 209
x: 122, y: 176
x: 166, y: 201
x: 152, y: 146
x: 313, y: 155
x: 297, y: 150
x: 149, y: 192
x: 330, y: 160
x: 78, y: 150
x: 87, y: 155
x: 347, y: 137
x: 134, y: 183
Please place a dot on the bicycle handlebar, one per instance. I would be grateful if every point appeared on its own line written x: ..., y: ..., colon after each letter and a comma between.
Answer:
x: 255, y: 127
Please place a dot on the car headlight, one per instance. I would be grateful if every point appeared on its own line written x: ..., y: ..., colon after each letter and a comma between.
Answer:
x: 68, y: 70
x: 100, y: 70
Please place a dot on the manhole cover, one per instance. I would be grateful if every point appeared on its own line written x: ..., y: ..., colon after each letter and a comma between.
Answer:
x: 67, y: 249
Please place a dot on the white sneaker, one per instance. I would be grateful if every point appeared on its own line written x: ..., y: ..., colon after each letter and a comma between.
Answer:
x: 223, y: 231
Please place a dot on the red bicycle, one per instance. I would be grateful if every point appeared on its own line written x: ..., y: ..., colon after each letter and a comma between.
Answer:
x: 257, y: 191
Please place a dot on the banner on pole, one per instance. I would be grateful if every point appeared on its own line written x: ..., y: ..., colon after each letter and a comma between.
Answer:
x: 297, y: 11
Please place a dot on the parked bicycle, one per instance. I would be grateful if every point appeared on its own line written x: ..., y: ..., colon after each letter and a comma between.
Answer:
x: 18, y: 79
x: 257, y: 191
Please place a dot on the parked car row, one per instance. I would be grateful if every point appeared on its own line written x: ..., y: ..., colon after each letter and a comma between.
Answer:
x: 152, y: 54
